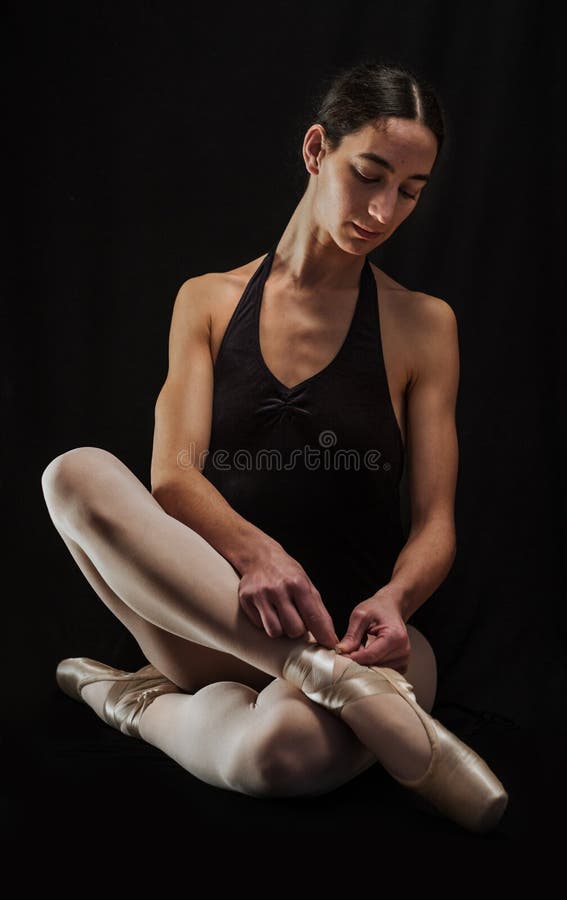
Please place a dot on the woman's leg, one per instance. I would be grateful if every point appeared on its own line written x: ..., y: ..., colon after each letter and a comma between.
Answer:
x: 238, y: 746
x: 189, y: 665
x: 275, y: 742
x: 173, y: 578
x: 230, y: 736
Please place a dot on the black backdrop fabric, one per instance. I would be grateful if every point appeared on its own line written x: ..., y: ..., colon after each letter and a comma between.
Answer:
x: 159, y: 142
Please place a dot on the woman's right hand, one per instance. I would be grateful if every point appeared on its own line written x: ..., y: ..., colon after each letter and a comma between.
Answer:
x: 278, y: 596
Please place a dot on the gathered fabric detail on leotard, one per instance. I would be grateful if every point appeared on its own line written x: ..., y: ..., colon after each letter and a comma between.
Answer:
x: 317, y: 466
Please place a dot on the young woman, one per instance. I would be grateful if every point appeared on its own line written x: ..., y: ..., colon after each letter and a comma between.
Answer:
x: 297, y: 384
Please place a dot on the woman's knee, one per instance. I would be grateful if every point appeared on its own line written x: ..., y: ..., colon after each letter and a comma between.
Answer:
x: 286, y: 756
x: 422, y: 668
x: 71, y: 484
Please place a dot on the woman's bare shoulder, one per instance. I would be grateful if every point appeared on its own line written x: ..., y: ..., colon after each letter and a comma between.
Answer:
x: 214, y: 295
x: 219, y: 287
x: 234, y: 275
x: 402, y: 299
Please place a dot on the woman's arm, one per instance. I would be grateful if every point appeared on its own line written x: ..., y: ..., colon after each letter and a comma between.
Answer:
x: 432, y: 455
x: 275, y: 592
x: 183, y: 416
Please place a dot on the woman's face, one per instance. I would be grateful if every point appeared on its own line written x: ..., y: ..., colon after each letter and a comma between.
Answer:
x: 350, y: 187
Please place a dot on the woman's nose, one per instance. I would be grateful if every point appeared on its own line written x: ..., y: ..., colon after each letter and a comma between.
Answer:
x: 382, y: 210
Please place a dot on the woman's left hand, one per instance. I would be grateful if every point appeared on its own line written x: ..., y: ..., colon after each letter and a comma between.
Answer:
x: 378, y: 622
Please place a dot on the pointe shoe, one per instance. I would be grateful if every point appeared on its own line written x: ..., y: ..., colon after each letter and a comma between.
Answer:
x: 457, y: 783
x: 126, y: 700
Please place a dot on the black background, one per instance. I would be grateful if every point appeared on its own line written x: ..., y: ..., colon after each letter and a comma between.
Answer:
x: 158, y: 142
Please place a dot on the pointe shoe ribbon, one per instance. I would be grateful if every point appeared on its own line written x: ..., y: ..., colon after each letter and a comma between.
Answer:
x: 126, y: 700
x: 317, y: 662
x: 457, y: 783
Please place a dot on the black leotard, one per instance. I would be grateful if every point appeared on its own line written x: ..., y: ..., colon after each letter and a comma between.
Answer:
x: 316, y: 466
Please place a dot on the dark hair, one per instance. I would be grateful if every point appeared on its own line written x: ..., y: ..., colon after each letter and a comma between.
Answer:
x: 369, y: 91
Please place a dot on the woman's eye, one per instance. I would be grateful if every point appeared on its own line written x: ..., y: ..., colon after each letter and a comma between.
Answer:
x: 363, y: 177
x: 372, y: 180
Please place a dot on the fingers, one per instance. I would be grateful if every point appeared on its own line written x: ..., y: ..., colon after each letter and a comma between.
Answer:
x: 357, y: 628
x: 372, y: 656
x: 292, y: 624
x: 316, y: 615
x: 368, y: 656
x: 292, y: 613
x: 275, y: 620
x: 379, y: 650
x: 251, y: 612
x: 284, y: 618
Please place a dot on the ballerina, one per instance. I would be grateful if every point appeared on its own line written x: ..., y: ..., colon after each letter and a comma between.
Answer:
x: 234, y: 579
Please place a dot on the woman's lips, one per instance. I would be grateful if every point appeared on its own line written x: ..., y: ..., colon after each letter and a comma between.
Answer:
x: 367, y: 234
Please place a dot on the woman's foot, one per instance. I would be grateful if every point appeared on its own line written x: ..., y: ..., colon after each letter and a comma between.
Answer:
x: 450, y: 775
x: 94, y: 695
x: 119, y: 698
x: 405, y: 748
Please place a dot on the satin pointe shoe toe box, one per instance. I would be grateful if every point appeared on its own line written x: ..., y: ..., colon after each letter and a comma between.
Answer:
x: 128, y: 697
x: 457, y: 783
x: 72, y: 673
